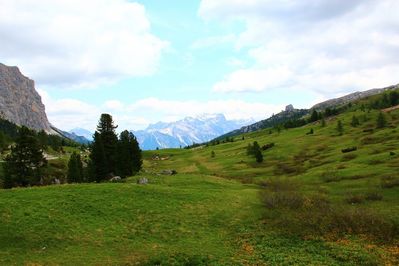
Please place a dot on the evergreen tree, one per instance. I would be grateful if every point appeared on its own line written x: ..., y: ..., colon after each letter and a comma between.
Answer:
x: 355, y: 121
x: 340, y: 128
x: 257, y: 152
x: 3, y: 142
x: 98, y: 162
x: 129, y: 160
x: 381, y: 120
x: 314, y: 117
x: 109, y: 140
x: 75, y: 169
x: 323, y: 122
x: 42, y: 137
x: 136, y: 153
x: 394, y: 98
x: 385, y: 101
x: 24, y: 165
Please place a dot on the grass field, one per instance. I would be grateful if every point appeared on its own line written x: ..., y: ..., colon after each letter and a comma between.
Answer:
x: 306, y: 204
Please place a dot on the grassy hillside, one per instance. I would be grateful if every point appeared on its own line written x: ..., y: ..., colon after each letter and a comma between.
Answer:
x: 308, y: 203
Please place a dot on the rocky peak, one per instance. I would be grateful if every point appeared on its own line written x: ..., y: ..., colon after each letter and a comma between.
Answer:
x: 289, y: 108
x: 19, y: 101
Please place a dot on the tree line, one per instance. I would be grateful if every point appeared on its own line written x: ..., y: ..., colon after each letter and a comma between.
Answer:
x: 110, y: 155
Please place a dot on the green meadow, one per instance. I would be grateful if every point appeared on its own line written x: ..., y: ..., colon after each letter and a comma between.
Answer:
x: 307, y: 203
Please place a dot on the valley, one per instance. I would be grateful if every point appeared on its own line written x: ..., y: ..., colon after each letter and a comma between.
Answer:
x: 306, y: 203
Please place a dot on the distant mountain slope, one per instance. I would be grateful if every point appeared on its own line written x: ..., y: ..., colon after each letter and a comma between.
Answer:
x: 82, y: 132
x: 186, y: 131
x: 71, y: 136
x: 19, y: 101
x: 290, y: 113
x: 352, y: 97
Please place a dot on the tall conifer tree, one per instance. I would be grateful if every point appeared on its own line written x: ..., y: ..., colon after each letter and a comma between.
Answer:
x: 24, y: 165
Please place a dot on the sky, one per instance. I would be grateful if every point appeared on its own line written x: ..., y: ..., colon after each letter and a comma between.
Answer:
x: 146, y: 61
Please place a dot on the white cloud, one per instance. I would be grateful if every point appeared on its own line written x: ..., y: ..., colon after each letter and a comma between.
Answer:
x: 254, y: 80
x: 213, y: 41
x: 113, y: 105
x: 66, y: 114
x: 328, y: 47
x: 72, y: 42
x: 232, y: 109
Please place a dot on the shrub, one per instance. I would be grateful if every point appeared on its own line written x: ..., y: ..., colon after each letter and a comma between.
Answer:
x: 268, y: 146
x: 354, y: 199
x: 281, y: 184
x: 288, y: 169
x: 373, y: 196
x: 381, y: 121
x: 286, y: 199
x: 350, y: 149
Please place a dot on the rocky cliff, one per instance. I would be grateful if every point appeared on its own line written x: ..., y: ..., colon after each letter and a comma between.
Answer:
x: 19, y: 101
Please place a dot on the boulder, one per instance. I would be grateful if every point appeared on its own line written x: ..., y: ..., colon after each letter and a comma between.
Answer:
x: 142, y: 181
x: 115, y: 179
x: 168, y: 172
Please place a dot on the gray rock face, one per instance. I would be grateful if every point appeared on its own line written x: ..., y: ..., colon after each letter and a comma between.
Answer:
x: 289, y: 108
x: 19, y: 101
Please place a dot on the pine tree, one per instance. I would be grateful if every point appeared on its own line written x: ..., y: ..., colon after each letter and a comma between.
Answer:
x: 3, y: 142
x: 109, y: 140
x: 355, y: 121
x: 98, y: 162
x: 381, y: 120
x: 136, y: 153
x: 323, y: 122
x: 24, y: 165
x: 75, y: 169
x: 394, y: 98
x: 129, y: 160
x: 257, y: 152
x: 385, y: 101
x: 314, y: 117
x: 340, y: 128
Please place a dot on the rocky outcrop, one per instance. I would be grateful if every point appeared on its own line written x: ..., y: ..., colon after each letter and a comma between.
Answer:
x: 351, y: 98
x: 19, y: 101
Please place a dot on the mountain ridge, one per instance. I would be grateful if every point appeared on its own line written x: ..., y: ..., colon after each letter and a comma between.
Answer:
x: 186, y: 131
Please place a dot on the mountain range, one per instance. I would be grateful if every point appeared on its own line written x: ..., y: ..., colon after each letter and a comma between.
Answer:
x: 21, y: 104
x: 187, y: 131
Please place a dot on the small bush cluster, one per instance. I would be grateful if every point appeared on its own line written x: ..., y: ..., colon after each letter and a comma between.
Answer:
x: 268, y: 146
x: 350, y: 149
x: 288, y: 169
x: 296, y: 213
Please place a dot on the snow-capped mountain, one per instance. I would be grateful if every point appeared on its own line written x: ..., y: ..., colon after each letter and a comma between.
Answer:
x: 82, y: 132
x: 187, y: 131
